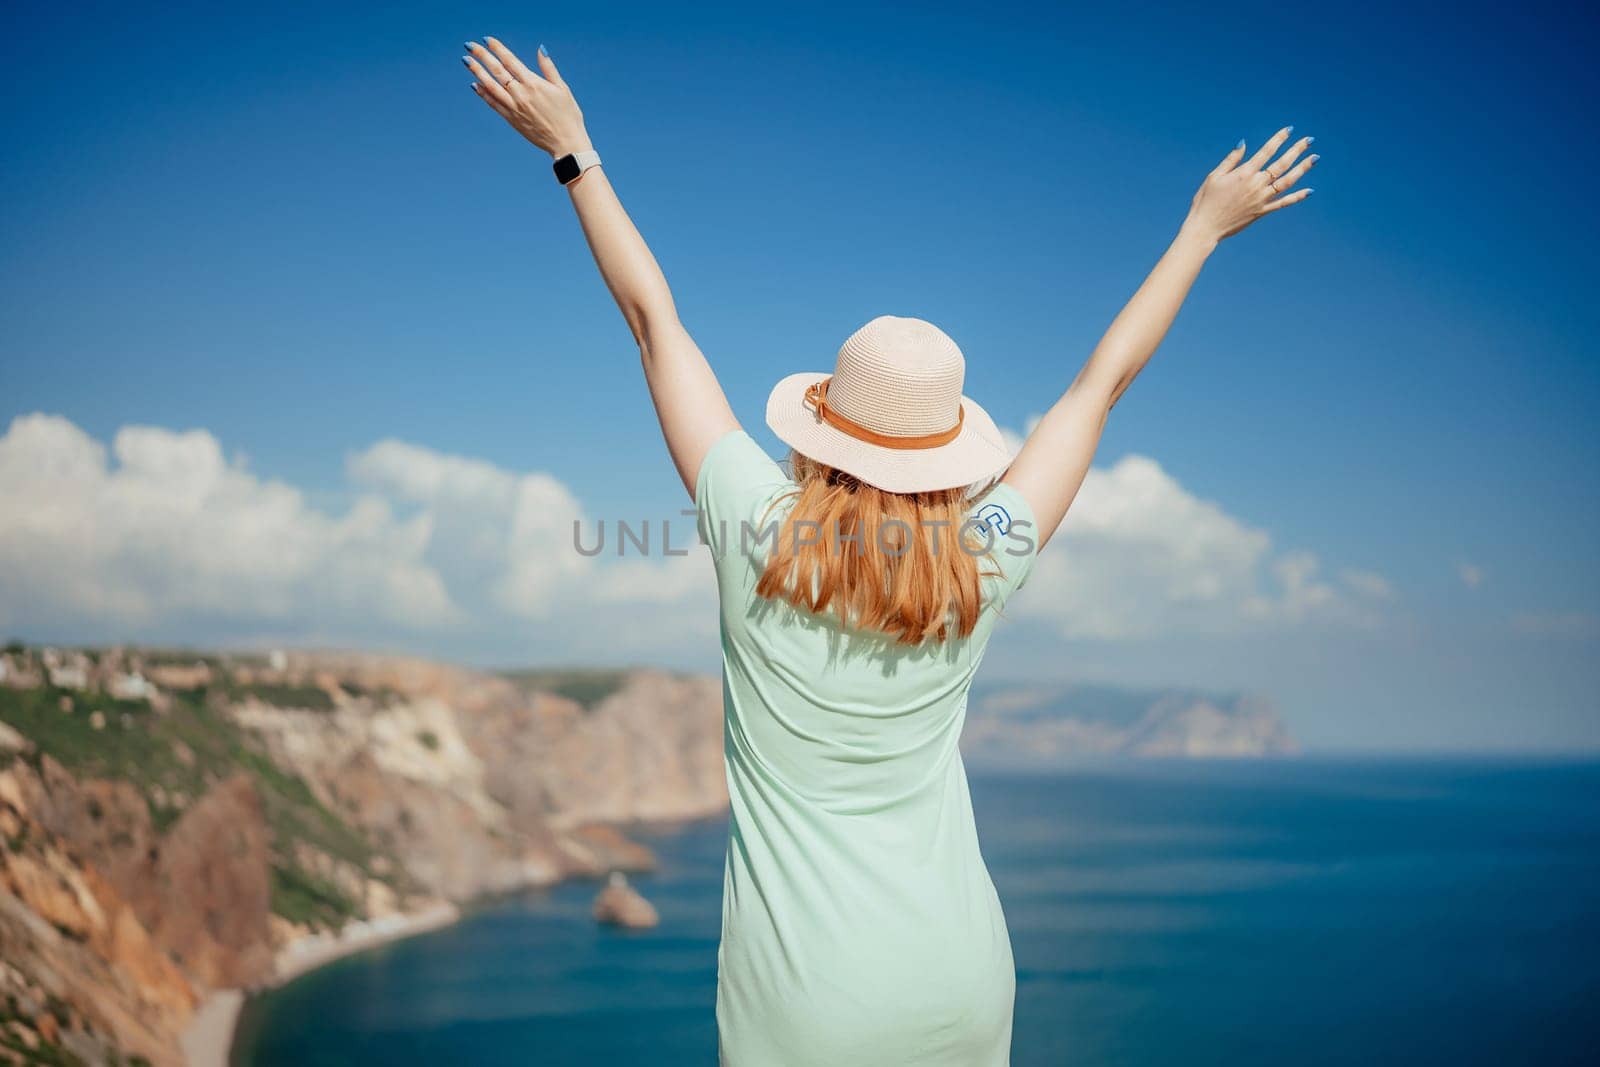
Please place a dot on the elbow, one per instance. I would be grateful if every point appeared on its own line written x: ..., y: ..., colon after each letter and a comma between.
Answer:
x: 644, y: 318
x: 1101, y: 387
x: 638, y: 322
x: 653, y: 333
x: 1120, y: 387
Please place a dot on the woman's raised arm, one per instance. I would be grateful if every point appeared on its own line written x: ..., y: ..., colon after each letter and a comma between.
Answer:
x: 690, y: 403
x: 1056, y: 456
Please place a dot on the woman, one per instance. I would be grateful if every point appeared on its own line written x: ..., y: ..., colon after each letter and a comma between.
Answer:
x: 860, y: 925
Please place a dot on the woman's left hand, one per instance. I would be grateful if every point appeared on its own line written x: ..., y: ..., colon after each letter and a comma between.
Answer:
x: 539, y: 106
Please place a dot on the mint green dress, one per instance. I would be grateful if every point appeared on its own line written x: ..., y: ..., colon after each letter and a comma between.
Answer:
x: 859, y: 922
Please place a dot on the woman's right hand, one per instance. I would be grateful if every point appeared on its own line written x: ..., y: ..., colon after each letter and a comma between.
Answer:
x: 1237, y: 193
x: 538, y: 105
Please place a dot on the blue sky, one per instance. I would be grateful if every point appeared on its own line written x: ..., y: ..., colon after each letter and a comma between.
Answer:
x: 298, y: 231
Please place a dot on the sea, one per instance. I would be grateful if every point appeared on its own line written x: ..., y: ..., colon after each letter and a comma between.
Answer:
x: 1293, y: 911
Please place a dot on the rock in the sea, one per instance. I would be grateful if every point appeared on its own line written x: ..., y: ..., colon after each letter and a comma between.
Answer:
x: 620, y: 904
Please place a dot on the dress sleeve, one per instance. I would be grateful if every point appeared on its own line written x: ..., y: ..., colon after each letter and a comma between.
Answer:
x: 737, y: 479
x: 1014, y: 534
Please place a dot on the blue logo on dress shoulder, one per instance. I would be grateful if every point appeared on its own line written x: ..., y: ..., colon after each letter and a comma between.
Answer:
x: 995, y: 518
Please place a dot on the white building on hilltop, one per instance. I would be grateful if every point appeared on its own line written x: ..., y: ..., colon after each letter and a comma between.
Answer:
x: 69, y: 676
x: 132, y: 686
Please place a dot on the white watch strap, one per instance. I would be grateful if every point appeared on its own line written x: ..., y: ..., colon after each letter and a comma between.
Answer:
x: 585, y: 160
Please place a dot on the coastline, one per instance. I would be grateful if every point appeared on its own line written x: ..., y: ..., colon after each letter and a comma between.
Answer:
x: 208, y: 1039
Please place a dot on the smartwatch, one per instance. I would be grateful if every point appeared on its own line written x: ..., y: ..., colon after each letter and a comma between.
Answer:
x: 569, y: 166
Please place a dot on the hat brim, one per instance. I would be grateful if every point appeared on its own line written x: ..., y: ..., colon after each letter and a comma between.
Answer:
x: 977, y: 454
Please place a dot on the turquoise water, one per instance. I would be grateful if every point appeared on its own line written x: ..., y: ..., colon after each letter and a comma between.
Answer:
x: 1308, y: 912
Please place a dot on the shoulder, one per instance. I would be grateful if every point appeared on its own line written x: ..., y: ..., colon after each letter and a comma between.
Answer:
x: 734, y: 464
x: 1002, y: 509
x: 1003, y: 518
x: 736, y: 480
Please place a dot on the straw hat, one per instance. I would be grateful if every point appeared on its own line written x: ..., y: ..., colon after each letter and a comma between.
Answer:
x: 891, y: 413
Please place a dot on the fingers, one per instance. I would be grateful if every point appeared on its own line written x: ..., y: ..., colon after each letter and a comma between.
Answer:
x: 492, y: 62
x: 1285, y: 183
x: 1282, y: 164
x: 496, y: 90
x: 1230, y: 160
x: 1285, y: 201
x: 1270, y: 149
x: 488, y: 98
x: 509, y: 58
x: 548, y: 65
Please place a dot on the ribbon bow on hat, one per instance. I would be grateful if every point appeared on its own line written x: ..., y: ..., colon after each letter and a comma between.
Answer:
x: 816, y: 397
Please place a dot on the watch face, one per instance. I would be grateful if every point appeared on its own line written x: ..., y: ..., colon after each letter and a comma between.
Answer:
x: 567, y: 169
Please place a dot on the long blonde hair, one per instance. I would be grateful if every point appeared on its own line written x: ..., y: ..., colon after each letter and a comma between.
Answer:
x: 903, y: 564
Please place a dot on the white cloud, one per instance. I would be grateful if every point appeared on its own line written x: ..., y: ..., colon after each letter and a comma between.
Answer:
x: 499, y: 538
x: 1367, y: 583
x: 1471, y: 575
x: 162, y: 534
x: 172, y: 529
x: 671, y: 581
x: 1139, y: 556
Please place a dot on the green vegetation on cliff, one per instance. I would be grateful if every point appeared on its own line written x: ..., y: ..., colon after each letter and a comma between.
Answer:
x: 302, y: 897
x: 115, y: 751
x: 588, y: 687
x: 175, y: 755
x: 310, y: 697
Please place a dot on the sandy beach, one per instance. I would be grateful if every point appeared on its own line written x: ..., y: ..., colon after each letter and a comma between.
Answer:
x: 210, y: 1033
x: 209, y: 1037
x: 309, y: 953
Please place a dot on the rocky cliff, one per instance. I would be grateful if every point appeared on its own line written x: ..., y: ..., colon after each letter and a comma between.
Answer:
x: 1045, y: 723
x: 83, y: 973
x: 172, y: 825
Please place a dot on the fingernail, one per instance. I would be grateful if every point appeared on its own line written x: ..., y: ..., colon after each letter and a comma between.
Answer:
x: 542, y: 52
x: 1310, y: 139
x: 465, y: 60
x: 469, y: 46
x: 1239, y: 145
x: 1310, y: 191
x: 1289, y: 130
x: 1315, y: 158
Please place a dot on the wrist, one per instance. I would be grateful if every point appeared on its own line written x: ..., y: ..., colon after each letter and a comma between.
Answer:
x: 571, y: 146
x: 1196, y: 236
